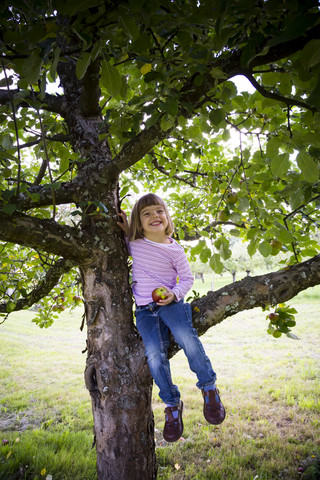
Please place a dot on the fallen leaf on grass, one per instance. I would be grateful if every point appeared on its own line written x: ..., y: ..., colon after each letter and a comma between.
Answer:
x: 177, y: 466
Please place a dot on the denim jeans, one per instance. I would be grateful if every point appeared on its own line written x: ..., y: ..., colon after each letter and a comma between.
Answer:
x: 154, y: 324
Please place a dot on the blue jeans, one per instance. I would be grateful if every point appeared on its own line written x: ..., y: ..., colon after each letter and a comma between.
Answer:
x: 154, y: 324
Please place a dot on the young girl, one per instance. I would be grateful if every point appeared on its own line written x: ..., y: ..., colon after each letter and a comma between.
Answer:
x: 159, y: 261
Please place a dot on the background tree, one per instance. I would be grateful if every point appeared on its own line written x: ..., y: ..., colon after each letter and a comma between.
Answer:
x: 147, y: 98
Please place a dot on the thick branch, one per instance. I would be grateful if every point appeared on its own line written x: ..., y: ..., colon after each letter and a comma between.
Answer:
x: 137, y: 148
x: 51, y: 103
x: 285, y: 49
x: 43, y: 234
x: 251, y: 292
x: 68, y: 192
x: 44, y: 287
x: 90, y: 91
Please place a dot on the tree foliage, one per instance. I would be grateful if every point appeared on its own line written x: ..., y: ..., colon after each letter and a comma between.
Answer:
x: 169, y: 112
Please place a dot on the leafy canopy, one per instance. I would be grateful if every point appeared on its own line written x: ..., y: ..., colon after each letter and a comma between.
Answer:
x: 230, y: 163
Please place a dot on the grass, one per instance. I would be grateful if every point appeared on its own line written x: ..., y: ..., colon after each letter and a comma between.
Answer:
x: 270, y: 388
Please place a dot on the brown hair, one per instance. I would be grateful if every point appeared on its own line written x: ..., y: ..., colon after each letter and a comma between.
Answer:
x: 135, y: 227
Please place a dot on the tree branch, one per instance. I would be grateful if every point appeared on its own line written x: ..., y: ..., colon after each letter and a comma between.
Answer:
x: 68, y: 192
x: 164, y: 171
x: 194, y: 96
x: 285, y: 49
x: 274, y: 96
x: 48, y: 235
x: 90, y: 91
x: 209, y: 228
x: 51, y: 279
x: 51, y: 103
x: 251, y: 292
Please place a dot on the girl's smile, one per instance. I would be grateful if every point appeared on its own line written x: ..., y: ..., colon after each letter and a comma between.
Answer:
x: 154, y: 222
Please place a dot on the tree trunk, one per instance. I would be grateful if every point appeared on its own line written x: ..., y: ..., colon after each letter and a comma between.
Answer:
x: 118, y: 380
x: 117, y: 374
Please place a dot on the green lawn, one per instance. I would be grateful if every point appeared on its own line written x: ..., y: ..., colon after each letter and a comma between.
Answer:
x: 270, y: 388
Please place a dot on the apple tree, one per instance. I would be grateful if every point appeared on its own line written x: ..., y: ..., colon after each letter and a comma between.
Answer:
x: 103, y: 101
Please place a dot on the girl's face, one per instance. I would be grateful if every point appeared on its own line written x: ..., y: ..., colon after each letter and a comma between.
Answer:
x: 153, y: 221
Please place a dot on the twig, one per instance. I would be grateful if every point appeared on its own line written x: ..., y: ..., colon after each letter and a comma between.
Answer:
x: 274, y: 96
x: 15, y: 127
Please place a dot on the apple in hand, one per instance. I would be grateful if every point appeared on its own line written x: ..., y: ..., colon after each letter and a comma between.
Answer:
x: 159, y: 294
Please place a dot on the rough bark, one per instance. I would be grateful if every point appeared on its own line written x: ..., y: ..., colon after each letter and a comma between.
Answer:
x: 251, y: 292
x: 47, y: 235
x: 116, y: 374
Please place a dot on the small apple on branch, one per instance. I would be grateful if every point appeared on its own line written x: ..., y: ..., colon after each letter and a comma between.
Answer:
x: 159, y: 294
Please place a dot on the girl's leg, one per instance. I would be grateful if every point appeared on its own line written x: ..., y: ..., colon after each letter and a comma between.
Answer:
x: 178, y: 317
x: 155, y: 336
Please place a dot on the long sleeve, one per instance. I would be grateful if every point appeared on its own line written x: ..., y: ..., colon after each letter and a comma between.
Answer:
x: 157, y: 264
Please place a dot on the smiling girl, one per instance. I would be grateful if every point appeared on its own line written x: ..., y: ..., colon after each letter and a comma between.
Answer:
x: 159, y: 261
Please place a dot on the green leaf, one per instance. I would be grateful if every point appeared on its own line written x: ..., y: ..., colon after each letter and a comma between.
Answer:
x: 53, y: 68
x: 252, y: 247
x: 280, y: 165
x: 296, y: 26
x: 30, y: 67
x: 205, y: 254
x: 265, y: 248
x: 197, y: 248
x: 216, y: 264
x: 10, y: 306
x: 282, y: 234
x: 217, y: 116
x: 83, y: 64
x: 217, y: 72
x: 310, y: 55
x: 171, y: 106
x: 111, y: 79
x: 314, y: 98
x: 166, y: 123
x: 9, y: 208
x: 64, y: 164
x: 308, y: 167
x: 128, y: 25
x: 292, y: 336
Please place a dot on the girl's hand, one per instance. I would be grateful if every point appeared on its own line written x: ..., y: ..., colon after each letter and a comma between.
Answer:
x: 170, y: 296
x: 124, y: 225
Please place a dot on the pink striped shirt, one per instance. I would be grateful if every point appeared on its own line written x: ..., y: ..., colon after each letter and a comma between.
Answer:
x: 157, y: 264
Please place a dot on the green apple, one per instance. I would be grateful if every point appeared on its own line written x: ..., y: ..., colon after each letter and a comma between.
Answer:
x: 223, y: 216
x: 231, y: 198
x: 275, y: 244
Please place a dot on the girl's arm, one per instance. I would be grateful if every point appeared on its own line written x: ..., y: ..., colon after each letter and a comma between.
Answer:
x: 124, y: 225
x: 185, y: 276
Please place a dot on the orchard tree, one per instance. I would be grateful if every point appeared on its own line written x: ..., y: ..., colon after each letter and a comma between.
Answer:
x: 103, y: 101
